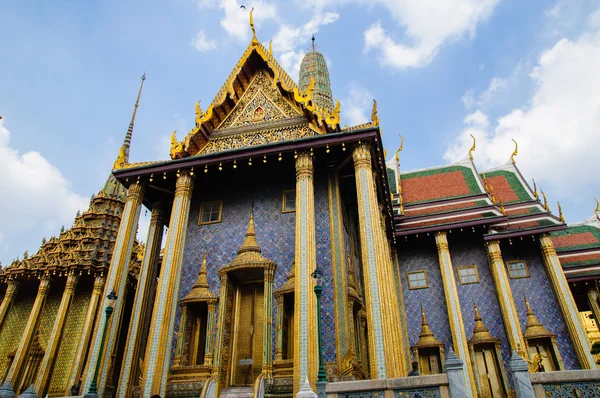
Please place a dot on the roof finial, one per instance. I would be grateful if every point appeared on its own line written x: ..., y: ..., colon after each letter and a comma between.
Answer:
x: 198, y: 114
x: 123, y: 157
x: 374, y: 117
x: 535, y: 192
x: 401, y: 147
x: 597, y: 209
x: 545, y: 201
x: 516, y: 151
x: 313, y: 42
x: 472, y: 147
x: 254, y: 39
x: 560, y: 213
x: 271, y: 47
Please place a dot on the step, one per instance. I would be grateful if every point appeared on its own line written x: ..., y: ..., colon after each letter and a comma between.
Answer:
x: 236, y: 392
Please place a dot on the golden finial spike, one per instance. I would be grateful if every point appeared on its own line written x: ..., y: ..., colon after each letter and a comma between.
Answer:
x: 516, y: 151
x: 485, y: 184
x: 198, y: 114
x: 401, y: 147
x: 374, y: 117
x: 535, y: 192
x: 472, y: 147
x: 545, y: 201
x: 597, y: 209
x: 123, y: 157
x: 271, y: 47
x: 560, y: 213
x: 502, y: 206
x: 254, y: 39
x: 175, y: 146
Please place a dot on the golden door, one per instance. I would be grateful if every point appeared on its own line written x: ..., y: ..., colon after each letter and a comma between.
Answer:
x: 247, y: 350
x: 489, y: 374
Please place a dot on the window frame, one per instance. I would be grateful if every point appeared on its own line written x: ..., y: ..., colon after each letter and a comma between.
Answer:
x: 283, y: 201
x: 473, y: 266
x: 508, y: 263
x: 212, y: 202
x: 424, y: 272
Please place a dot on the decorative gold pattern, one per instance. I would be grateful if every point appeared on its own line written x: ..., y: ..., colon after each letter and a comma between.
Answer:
x: 11, y: 333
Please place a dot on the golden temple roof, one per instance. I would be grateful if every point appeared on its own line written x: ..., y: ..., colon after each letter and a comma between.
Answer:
x: 481, y: 334
x: 426, y: 337
x: 200, y: 291
x: 535, y: 329
x: 289, y: 284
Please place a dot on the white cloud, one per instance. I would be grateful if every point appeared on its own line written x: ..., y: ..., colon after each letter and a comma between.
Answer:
x: 557, y: 130
x: 355, y: 110
x: 35, y: 197
x: 236, y: 19
x: 202, y: 43
x: 428, y: 25
x: 496, y: 86
x: 290, y: 62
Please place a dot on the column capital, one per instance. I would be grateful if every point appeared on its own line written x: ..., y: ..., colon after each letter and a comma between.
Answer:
x: 441, y: 240
x: 304, y: 165
x: 71, y: 284
x: 158, y: 213
x: 184, y: 184
x: 362, y: 155
x: 44, y: 284
x: 12, y: 289
x: 212, y: 306
x: 135, y: 191
x: 99, y: 282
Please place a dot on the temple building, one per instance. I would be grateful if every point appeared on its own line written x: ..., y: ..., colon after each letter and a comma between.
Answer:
x: 268, y: 186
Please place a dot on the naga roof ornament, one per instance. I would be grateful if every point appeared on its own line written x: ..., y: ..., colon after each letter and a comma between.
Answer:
x: 515, y: 152
x: 472, y: 147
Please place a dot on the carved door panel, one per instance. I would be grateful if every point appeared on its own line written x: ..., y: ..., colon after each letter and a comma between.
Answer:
x: 489, y: 374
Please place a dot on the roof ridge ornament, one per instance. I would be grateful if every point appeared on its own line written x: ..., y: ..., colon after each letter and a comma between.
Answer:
x: 472, y: 147
x: 560, y: 213
x: 374, y: 117
x: 516, y: 151
x: 597, y: 209
x: 123, y: 157
x: 545, y: 201
x: 535, y: 192
x: 254, y: 39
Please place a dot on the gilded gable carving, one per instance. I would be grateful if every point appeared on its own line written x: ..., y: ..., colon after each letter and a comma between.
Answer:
x: 260, y: 103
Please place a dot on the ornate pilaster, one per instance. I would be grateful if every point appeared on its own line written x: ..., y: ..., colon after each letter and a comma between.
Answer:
x: 505, y: 298
x: 115, y: 280
x: 177, y: 361
x: 592, y: 295
x: 386, y: 349
x: 566, y: 303
x: 220, y: 338
x: 305, y: 326
x: 86, y: 334
x: 455, y: 318
x: 18, y: 365
x: 142, y: 304
x: 165, y: 304
x: 9, y: 298
x: 45, y: 370
x: 267, y: 369
x: 210, y: 333
x: 279, y: 331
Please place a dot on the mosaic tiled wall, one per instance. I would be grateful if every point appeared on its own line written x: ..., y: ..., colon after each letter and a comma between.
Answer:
x: 540, y: 295
x: 49, y: 313
x: 69, y: 340
x: 275, y: 234
x: 14, y: 325
x: 415, y: 255
x: 469, y: 249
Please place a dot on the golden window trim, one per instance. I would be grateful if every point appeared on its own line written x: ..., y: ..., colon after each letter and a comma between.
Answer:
x: 283, y: 201
x: 508, y: 263
x: 473, y: 266
x: 424, y: 272
x: 212, y: 202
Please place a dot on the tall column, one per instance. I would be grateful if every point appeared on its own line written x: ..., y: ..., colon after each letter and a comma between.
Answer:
x: 279, y: 331
x: 158, y: 351
x: 455, y: 318
x: 268, y: 325
x: 141, y: 303
x: 210, y: 333
x: 592, y: 295
x: 387, y: 359
x: 220, y: 326
x: 566, y: 303
x: 18, y: 364
x: 9, y: 298
x: 305, y: 322
x: 115, y: 280
x: 86, y: 334
x: 505, y: 298
x: 53, y: 345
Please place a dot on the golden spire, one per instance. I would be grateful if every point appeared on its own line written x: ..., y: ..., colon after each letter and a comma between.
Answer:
x: 481, y: 334
x: 472, y: 147
x: 545, y: 201
x: 123, y: 157
x: 597, y: 209
x: 250, y: 244
x: 426, y: 337
x: 535, y: 192
x: 200, y: 291
x: 374, y: 117
x: 534, y: 327
x: 271, y: 47
x: 254, y: 39
x: 516, y: 151
x: 560, y: 213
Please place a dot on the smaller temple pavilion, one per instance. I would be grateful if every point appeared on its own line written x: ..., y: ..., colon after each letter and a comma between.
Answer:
x: 444, y: 263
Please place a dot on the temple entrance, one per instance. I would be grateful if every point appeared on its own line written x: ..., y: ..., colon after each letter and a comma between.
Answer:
x: 247, y: 344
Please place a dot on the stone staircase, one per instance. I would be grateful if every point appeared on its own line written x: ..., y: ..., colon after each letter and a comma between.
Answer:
x: 236, y: 392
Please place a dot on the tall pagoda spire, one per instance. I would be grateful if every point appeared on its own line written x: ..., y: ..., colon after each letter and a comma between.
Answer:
x: 313, y: 65
x: 123, y: 157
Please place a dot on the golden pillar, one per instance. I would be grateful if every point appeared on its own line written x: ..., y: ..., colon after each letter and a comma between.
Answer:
x: 142, y: 303
x: 566, y: 303
x: 115, y: 280
x: 455, y: 318
x: 305, y: 303
x: 210, y: 333
x: 158, y: 351
x: 279, y: 330
x: 18, y: 365
x: 9, y: 298
x: 592, y: 295
x: 218, y: 360
x: 505, y: 299
x: 268, y: 324
x: 386, y: 349
x: 45, y: 370
x: 86, y: 334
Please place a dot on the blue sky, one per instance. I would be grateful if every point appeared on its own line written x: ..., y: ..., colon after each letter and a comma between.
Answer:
x: 440, y: 70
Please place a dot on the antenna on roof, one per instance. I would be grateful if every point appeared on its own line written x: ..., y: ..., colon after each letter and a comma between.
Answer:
x: 313, y: 46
